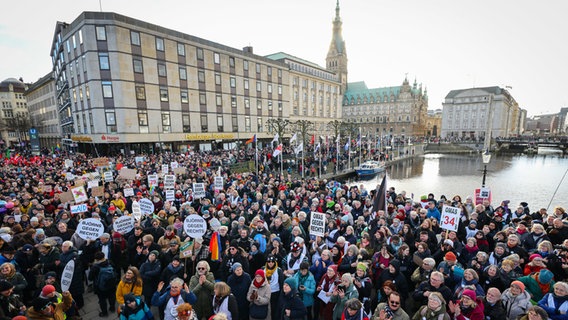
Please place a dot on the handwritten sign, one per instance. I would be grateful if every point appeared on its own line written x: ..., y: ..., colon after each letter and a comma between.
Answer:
x: 100, y: 162
x: 165, y: 169
x: 218, y: 183
x: 67, y: 275
x: 128, y: 174
x: 79, y: 194
x: 90, y: 229
x: 146, y: 206
x: 136, y: 211
x: 450, y: 218
x: 79, y: 208
x: 194, y: 226
x: 128, y: 192
x: 169, y: 181
x: 179, y: 170
x: 317, y: 224
x: 68, y: 163
x: 174, y: 165
x: 98, y: 191
x: 152, y: 180
x: 199, y: 190
x: 123, y: 224
x: 170, y: 195
x: 66, y: 197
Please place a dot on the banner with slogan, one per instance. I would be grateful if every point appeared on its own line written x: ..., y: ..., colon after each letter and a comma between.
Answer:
x: 80, y: 208
x: 67, y: 275
x: 146, y: 206
x: 169, y: 181
x: 90, y: 229
x: 199, y: 190
x: 123, y: 224
x: 195, y: 226
x: 317, y: 224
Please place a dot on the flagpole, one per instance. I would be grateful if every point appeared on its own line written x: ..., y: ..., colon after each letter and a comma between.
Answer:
x: 349, y: 152
x: 337, y: 154
x: 256, y: 153
x: 319, y: 151
x: 360, y: 145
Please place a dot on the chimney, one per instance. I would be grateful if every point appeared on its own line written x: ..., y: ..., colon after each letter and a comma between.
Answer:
x: 248, y: 49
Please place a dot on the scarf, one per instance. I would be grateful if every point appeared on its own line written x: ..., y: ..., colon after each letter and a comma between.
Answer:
x: 472, y: 249
x: 174, y: 269
x: 217, y: 301
x: 258, y: 284
x: 269, y: 271
x: 178, y: 225
x: 170, y: 237
x: 327, y: 282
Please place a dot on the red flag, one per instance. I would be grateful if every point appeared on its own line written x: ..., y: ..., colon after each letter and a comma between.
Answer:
x: 313, y: 139
x: 277, y: 151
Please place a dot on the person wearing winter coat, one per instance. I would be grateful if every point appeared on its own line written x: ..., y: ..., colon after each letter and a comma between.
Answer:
x: 225, y: 302
x: 435, y: 309
x: 259, y: 297
x: 106, y: 294
x: 538, y: 284
x: 556, y: 304
x: 516, y: 300
x: 354, y: 311
x: 135, y: 309
x: 202, y: 283
x: 175, y: 269
x: 8, y: 272
x: 364, y: 285
x: 239, y: 281
x: 327, y: 285
x: 275, y: 278
x: 306, y: 287
x: 426, y: 288
x: 319, y: 267
x: 233, y: 255
x: 393, y: 304
x: 131, y: 282
x: 46, y: 309
x: 290, y: 305
x: 77, y: 287
x: 150, y: 273
x: 493, y: 307
x: 176, y: 294
x: 470, y: 278
x: 341, y: 293
x: 469, y: 307
x: 393, y: 274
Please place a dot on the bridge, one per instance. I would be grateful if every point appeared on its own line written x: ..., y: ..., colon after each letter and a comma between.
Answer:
x: 532, y: 145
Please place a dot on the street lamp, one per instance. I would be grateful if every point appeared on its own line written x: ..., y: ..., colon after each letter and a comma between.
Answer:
x: 486, y: 156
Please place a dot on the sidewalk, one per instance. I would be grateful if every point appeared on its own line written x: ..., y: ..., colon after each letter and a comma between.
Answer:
x: 91, y: 308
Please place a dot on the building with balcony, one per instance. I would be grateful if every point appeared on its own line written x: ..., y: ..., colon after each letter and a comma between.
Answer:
x: 14, y: 115
x: 44, y: 116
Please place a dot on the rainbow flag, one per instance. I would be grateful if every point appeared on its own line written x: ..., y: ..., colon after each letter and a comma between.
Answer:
x: 251, y: 140
x: 215, y: 247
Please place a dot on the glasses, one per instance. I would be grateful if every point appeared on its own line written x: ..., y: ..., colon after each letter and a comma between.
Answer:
x: 396, y: 303
x: 201, y: 268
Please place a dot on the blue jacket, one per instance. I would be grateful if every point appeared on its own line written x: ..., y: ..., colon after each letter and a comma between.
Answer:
x: 161, y: 300
x: 320, y: 270
x: 434, y: 213
x: 553, y: 309
x: 310, y: 283
x: 141, y: 312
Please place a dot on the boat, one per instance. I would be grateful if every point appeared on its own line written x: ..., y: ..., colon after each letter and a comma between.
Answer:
x: 369, y: 168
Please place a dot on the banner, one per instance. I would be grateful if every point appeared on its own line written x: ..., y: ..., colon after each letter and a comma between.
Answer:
x: 146, y: 206
x: 195, y: 226
x: 67, y: 275
x: 169, y: 181
x: 199, y: 190
x: 79, y: 194
x: 317, y: 224
x: 218, y: 183
x: 79, y: 208
x: 450, y: 218
x: 123, y: 224
x: 90, y: 229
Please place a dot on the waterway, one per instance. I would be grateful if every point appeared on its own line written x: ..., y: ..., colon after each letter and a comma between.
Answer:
x: 530, y: 178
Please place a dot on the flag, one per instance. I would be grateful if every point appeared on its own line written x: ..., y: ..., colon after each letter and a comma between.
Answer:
x: 359, y: 140
x: 317, y: 148
x: 313, y: 139
x: 277, y: 151
x: 347, y: 145
x: 275, y: 138
x: 293, y: 138
x: 251, y: 140
x: 215, y: 246
x: 299, y: 148
x: 380, y: 198
x: 338, y: 138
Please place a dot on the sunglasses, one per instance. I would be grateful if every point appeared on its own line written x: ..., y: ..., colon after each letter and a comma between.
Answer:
x: 396, y: 303
x: 201, y: 268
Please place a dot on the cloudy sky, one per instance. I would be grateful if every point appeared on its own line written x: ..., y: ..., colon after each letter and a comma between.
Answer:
x: 444, y: 44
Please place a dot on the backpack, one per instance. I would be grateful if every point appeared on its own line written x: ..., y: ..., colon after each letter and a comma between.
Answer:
x: 106, y: 279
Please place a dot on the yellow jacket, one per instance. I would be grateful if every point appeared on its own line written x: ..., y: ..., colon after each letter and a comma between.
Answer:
x: 125, y: 288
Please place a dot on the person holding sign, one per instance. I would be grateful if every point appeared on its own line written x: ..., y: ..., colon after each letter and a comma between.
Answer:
x: 46, y: 309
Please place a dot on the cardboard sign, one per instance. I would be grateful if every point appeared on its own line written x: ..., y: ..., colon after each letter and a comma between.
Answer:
x: 152, y: 181
x: 100, y: 162
x: 179, y: 170
x: 169, y: 181
x: 66, y: 197
x: 136, y: 212
x: 128, y: 174
x: 128, y: 192
x: 123, y: 224
x: 92, y: 184
x: 186, y: 249
x: 146, y: 206
x: 79, y: 208
x: 317, y: 224
x: 199, y: 190
x: 170, y: 195
x: 67, y: 275
x: 90, y: 229
x: 98, y: 191
x: 194, y: 226
x: 108, y: 176
x: 79, y: 194
x: 218, y: 183
x: 79, y: 182
x: 450, y: 218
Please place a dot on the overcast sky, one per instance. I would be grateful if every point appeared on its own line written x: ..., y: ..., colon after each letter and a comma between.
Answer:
x: 444, y: 44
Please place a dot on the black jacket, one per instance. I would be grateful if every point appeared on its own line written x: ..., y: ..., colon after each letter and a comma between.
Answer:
x: 292, y: 302
x: 495, y: 312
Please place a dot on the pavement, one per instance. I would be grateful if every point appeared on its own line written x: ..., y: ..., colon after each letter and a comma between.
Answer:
x: 90, y: 310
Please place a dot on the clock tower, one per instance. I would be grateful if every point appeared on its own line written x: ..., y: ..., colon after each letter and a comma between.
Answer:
x: 336, y: 60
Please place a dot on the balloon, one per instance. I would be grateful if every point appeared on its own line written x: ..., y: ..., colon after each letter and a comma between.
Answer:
x: 9, y: 205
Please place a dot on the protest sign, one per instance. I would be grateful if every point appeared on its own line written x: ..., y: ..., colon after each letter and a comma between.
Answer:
x: 450, y: 218
x: 179, y: 170
x: 67, y: 275
x: 199, y: 190
x: 174, y: 165
x: 100, y: 162
x: 128, y: 192
x: 69, y: 176
x: 79, y: 208
x: 170, y: 195
x: 136, y: 212
x: 79, y: 194
x: 317, y: 224
x: 98, y: 191
x: 123, y: 224
x: 146, y: 206
x: 108, y: 176
x: 68, y: 163
x: 79, y: 182
x: 186, y: 249
x: 165, y: 169
x: 482, y: 194
x: 139, y: 160
x: 218, y: 183
x: 152, y: 180
x: 66, y: 197
x: 195, y: 226
x: 169, y: 181
x: 90, y: 229
x: 128, y: 174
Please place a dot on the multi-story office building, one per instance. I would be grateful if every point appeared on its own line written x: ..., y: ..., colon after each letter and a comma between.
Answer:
x: 130, y: 84
x: 14, y: 116
x: 44, y: 115
x: 471, y: 113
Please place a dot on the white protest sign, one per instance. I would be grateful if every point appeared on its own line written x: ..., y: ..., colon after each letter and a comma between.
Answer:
x: 146, y: 206
x: 450, y: 218
x: 165, y: 169
x: 317, y: 224
x: 136, y: 211
x: 79, y: 208
x: 18, y: 218
x: 128, y: 192
x: 68, y: 163
x: 169, y: 181
x: 218, y: 183
x: 123, y: 224
x: 79, y: 194
x: 174, y: 165
x: 152, y: 180
x: 108, y: 176
x: 90, y: 229
x: 69, y: 176
x: 484, y: 193
x: 92, y: 184
x: 170, y: 195
x: 195, y: 226
x: 198, y: 190
x: 67, y: 275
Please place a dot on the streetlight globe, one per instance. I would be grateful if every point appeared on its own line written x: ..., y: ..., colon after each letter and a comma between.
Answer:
x: 486, y: 157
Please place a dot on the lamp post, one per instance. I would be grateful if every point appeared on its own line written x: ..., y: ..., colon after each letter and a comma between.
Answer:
x: 486, y: 156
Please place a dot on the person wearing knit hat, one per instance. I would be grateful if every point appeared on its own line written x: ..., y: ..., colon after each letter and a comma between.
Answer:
x: 306, y: 285
x: 519, y: 284
x: 450, y: 256
x: 259, y: 294
x: 362, y: 266
x: 516, y: 300
x: 235, y: 266
x: 5, y: 286
x: 291, y: 305
x: 468, y: 307
x: 292, y: 283
x: 49, y: 309
x: 48, y: 291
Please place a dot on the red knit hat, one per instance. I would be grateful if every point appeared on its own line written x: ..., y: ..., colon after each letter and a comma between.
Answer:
x: 47, y: 289
x: 450, y: 256
x: 470, y: 294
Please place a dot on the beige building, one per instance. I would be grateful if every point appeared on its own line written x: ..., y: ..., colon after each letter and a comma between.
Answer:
x: 433, y: 123
x: 43, y: 111
x: 14, y: 116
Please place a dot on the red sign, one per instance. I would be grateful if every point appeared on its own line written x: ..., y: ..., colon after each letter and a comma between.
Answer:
x: 479, y: 199
x: 108, y: 138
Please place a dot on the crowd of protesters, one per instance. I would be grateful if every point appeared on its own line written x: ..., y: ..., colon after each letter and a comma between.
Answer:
x: 503, y: 262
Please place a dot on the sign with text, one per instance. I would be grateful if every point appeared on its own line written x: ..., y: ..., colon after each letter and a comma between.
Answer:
x: 152, y: 180
x: 317, y: 224
x: 123, y: 224
x: 79, y: 208
x: 68, y: 163
x: 67, y: 275
x: 174, y: 165
x: 199, y: 190
x: 79, y: 194
x: 478, y: 196
x: 170, y: 195
x: 146, y: 206
x: 108, y: 176
x: 100, y: 162
x: 169, y: 181
x: 98, y: 191
x: 66, y: 197
x: 128, y: 192
x: 179, y: 170
x: 90, y: 229
x: 218, y: 183
x: 450, y: 218
x: 165, y: 169
x: 139, y: 160
x: 195, y: 226
x: 136, y: 211
x: 128, y: 174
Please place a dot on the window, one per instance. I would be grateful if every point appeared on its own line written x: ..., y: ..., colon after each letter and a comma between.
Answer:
x: 87, y: 92
x: 68, y: 46
x: 245, y: 65
x: 235, y: 123
x: 269, y: 88
x: 103, y: 61
x: 247, y: 123
x: 220, y: 124
x: 159, y: 44
x: 101, y: 33
x: 163, y: 94
x: 217, y: 79
x: 246, y: 84
x: 202, y: 98
x: 259, y: 124
x: 279, y: 105
x: 269, y: 104
x: 233, y: 101
x: 259, y: 104
x: 134, y: 38
x: 279, y: 73
x: 181, y: 49
x: 137, y: 66
x: 182, y: 73
x: 140, y: 93
x: 233, y: 82
x: 184, y: 96
x: 257, y: 68
x: 216, y: 58
x: 199, y: 54
x: 247, y: 103
x: 258, y: 86
x: 166, y: 122
x: 232, y: 62
x: 201, y: 76
x: 219, y: 100
x: 110, y: 119
x: 185, y: 122
x: 161, y: 70
x: 143, y: 121
x: 269, y: 71
x: 81, y: 36
x: 107, y: 89
x: 204, y: 126
x: 279, y: 89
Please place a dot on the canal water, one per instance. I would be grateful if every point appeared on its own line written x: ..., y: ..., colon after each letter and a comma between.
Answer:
x: 530, y: 178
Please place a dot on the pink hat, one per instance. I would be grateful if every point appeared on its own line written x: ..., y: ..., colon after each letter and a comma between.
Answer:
x: 469, y: 293
x: 534, y: 256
